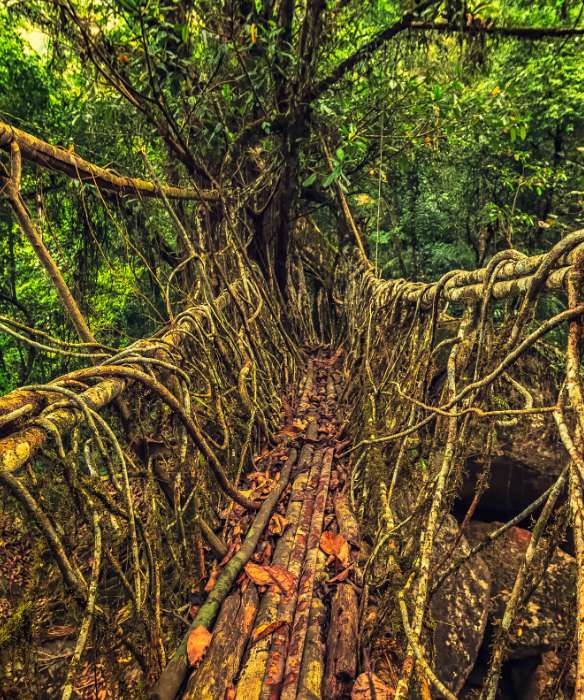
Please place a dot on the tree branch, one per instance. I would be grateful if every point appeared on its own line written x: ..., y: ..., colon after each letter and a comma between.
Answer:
x: 57, y: 158
x: 476, y: 26
x: 366, y: 50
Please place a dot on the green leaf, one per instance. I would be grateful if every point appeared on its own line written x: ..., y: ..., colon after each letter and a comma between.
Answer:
x: 310, y: 180
x: 340, y: 154
x: 329, y: 179
x: 130, y: 5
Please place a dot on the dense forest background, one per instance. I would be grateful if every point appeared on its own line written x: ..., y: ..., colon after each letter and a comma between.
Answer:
x: 449, y: 145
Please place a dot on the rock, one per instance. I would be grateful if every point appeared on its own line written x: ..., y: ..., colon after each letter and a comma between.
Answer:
x: 535, y: 678
x: 459, y: 610
x: 519, y: 473
x: 546, y: 622
x: 513, y: 485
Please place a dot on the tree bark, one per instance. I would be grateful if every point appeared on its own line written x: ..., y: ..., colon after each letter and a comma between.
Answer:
x: 216, y: 672
x: 61, y: 160
x: 341, y: 647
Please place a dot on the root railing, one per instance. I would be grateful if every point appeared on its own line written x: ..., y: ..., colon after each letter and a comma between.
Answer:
x: 429, y: 365
x: 142, y: 495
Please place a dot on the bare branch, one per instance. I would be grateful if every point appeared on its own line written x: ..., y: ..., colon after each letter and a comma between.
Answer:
x: 62, y: 160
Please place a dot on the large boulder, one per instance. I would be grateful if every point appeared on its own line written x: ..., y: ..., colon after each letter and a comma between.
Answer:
x: 458, y: 609
x: 546, y: 622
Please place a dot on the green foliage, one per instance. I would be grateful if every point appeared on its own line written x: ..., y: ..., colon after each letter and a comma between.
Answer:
x: 481, y: 147
x: 448, y: 146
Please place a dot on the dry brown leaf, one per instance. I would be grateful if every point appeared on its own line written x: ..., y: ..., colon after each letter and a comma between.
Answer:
x: 277, y: 524
x: 197, y: 644
x: 230, y: 693
x: 263, y: 631
x: 368, y: 686
x: 299, y: 423
x: 342, y: 576
x: 212, y: 578
x: 335, y: 545
x: 258, y: 574
x: 271, y: 575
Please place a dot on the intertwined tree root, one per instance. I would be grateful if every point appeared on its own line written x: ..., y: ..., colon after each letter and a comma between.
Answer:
x: 119, y: 516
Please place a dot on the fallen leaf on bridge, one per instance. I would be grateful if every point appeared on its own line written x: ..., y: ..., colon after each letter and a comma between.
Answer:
x: 197, y: 644
x: 263, y: 631
x: 335, y: 545
x: 277, y: 524
x: 271, y: 575
x: 289, y: 431
x: 368, y: 686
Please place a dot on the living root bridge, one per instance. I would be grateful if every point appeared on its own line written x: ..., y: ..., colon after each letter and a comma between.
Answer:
x: 18, y: 447
x: 374, y: 442
x: 427, y: 394
x: 509, y: 274
x: 133, y: 498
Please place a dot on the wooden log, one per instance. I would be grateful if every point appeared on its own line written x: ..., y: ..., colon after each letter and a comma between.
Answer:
x: 313, y: 661
x: 254, y: 668
x: 216, y: 672
x: 307, y: 389
x: 349, y: 529
x: 307, y: 584
x: 347, y: 522
x: 341, y: 647
x: 331, y: 390
x: 279, y: 647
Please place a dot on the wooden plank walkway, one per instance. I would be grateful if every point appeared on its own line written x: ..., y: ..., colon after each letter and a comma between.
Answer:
x: 270, y: 639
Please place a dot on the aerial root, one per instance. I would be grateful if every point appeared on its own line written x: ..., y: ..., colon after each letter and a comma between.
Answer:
x: 414, y: 422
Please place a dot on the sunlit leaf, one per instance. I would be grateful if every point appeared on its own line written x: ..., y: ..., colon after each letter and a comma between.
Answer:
x: 335, y: 545
x: 197, y: 644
